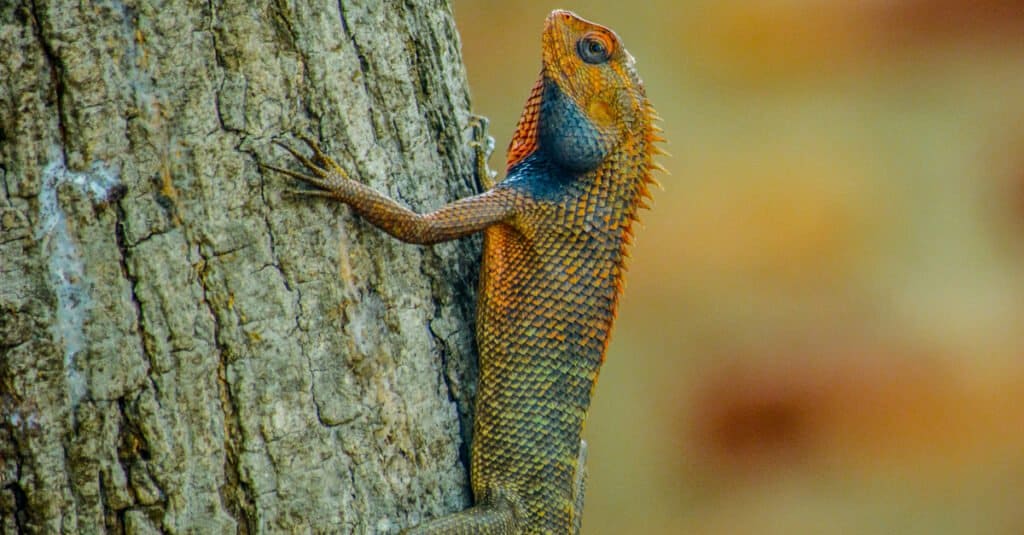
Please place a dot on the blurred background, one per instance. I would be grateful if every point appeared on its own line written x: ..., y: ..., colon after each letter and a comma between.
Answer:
x: 823, y: 327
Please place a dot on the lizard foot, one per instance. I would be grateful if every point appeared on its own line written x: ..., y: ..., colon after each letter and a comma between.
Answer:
x: 483, y: 145
x: 324, y: 173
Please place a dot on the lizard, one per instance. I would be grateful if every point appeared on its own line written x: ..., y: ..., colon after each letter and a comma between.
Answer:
x: 556, y: 231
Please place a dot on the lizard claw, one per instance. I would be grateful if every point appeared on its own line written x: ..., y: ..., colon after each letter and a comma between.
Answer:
x: 326, y: 161
x: 303, y: 177
x: 483, y: 145
x: 323, y: 173
x: 309, y: 193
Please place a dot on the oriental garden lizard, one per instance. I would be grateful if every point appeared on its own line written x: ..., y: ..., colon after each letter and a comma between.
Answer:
x: 556, y: 230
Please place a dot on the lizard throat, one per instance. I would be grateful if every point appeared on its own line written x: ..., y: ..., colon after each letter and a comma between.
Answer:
x: 566, y: 134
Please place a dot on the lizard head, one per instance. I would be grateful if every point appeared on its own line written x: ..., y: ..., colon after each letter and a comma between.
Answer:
x: 588, y: 62
x: 588, y: 99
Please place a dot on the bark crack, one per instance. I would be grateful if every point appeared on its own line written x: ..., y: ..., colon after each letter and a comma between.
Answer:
x: 20, y: 503
x: 124, y: 251
x: 364, y: 70
x: 56, y: 75
x: 296, y: 290
x: 3, y: 178
x: 458, y: 392
x: 236, y: 495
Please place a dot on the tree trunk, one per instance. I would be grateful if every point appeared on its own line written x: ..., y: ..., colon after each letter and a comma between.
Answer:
x: 183, y: 347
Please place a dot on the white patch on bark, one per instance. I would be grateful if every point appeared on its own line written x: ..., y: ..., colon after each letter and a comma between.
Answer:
x: 65, y: 267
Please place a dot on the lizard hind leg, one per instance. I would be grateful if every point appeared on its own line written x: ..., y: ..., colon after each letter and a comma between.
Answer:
x: 488, y: 518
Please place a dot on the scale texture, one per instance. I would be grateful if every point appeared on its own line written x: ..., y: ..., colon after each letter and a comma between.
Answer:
x: 556, y: 231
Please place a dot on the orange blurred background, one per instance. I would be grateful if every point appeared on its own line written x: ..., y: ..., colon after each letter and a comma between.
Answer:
x: 822, y: 330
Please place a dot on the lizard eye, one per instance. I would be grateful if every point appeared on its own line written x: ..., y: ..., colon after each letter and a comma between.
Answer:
x: 594, y: 48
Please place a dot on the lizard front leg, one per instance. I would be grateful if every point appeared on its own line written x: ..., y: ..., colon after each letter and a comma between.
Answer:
x: 458, y: 219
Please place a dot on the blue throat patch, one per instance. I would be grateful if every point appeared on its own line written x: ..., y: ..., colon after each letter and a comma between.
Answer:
x: 569, y: 145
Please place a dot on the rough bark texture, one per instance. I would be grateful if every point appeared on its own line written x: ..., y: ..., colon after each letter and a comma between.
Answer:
x: 184, y: 348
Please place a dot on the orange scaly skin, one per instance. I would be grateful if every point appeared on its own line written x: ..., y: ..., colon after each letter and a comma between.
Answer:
x: 556, y: 231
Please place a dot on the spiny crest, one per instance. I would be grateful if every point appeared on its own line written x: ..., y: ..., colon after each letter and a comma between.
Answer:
x: 652, y: 137
x: 524, y: 141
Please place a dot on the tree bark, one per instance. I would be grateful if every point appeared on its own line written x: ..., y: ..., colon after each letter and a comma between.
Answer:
x: 183, y: 347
